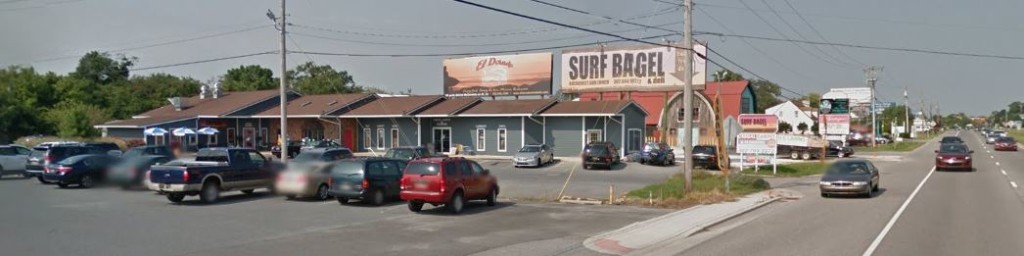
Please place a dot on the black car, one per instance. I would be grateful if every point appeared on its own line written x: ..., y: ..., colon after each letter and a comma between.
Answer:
x: 371, y: 180
x: 600, y: 154
x: 837, y: 149
x: 293, y: 149
x: 84, y: 170
x: 106, y: 147
x: 60, y: 152
x: 705, y: 156
x: 951, y: 139
x: 408, y: 153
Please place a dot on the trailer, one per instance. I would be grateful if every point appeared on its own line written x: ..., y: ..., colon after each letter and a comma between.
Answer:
x: 799, y: 146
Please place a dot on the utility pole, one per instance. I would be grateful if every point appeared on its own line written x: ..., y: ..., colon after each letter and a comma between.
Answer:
x: 872, y: 73
x: 282, y: 24
x: 688, y: 96
x: 906, y: 106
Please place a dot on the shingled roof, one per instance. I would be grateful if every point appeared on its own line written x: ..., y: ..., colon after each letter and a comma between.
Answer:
x: 316, y: 105
x: 392, y: 106
x: 585, y: 108
x: 449, y: 106
x: 194, y: 107
x: 507, y: 107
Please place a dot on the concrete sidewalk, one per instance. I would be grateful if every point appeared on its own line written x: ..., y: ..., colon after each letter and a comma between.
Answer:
x: 644, y: 238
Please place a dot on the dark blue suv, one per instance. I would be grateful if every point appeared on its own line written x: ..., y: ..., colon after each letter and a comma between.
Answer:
x: 657, y: 153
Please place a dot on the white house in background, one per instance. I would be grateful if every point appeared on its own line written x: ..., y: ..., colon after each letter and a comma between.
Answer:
x: 792, y: 114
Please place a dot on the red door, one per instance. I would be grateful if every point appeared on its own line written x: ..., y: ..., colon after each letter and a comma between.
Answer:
x: 350, y: 140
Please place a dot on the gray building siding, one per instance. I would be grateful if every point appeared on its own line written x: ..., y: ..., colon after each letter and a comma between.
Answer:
x: 614, y: 132
x: 634, y: 119
x: 534, y: 131
x: 407, y: 133
x: 464, y: 131
x: 564, y: 134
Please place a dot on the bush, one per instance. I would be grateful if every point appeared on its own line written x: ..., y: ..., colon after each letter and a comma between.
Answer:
x: 135, y: 143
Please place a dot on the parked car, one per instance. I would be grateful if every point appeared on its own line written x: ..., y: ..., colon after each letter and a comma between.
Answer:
x: 705, y: 156
x: 13, y: 159
x: 59, y: 152
x: 308, y: 174
x: 408, y: 153
x: 657, y: 153
x: 319, y: 144
x: 447, y: 181
x: 953, y: 156
x: 293, y: 149
x: 991, y: 138
x: 882, y: 140
x: 135, y: 163
x: 34, y: 165
x: 84, y: 170
x: 850, y: 176
x: 106, y: 148
x: 370, y: 180
x: 215, y: 170
x: 603, y: 154
x: 1006, y: 144
x: 837, y: 149
x: 533, y: 155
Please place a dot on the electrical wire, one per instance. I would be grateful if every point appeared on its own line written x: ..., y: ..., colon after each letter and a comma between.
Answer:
x: 801, y: 35
x: 822, y: 37
x: 783, y: 34
x: 870, y: 47
x: 601, y: 16
x: 203, y: 61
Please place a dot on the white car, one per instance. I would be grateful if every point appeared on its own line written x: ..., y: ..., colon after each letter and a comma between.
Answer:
x: 13, y: 159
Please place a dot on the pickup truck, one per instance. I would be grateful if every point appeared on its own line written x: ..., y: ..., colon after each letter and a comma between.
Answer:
x: 213, y: 171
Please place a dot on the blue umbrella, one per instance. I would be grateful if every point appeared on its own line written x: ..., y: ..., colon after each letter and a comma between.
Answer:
x: 208, y: 131
x: 155, y: 131
x: 183, y: 131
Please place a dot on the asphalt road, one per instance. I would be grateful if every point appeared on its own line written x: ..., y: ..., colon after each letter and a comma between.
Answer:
x: 40, y: 219
x: 547, y: 181
x: 953, y: 213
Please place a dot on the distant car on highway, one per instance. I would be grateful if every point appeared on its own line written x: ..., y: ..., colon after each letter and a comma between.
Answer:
x: 850, y: 177
x: 999, y: 133
x: 448, y: 181
x: 1005, y: 144
x: 308, y: 173
x: 991, y: 138
x: 657, y: 153
x: 603, y: 154
x: 534, y: 156
x: 84, y: 170
x: 13, y: 159
x: 953, y: 156
x: 951, y: 139
x: 371, y: 180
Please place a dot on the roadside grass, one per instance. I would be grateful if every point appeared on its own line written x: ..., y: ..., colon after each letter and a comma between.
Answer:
x: 903, y: 146
x: 707, y: 189
x: 791, y: 170
x: 1017, y: 135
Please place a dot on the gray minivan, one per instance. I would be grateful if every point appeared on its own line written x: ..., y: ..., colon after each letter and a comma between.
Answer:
x: 371, y: 180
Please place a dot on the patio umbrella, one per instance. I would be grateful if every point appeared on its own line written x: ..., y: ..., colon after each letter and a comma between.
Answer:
x: 208, y: 131
x: 155, y: 131
x: 180, y: 132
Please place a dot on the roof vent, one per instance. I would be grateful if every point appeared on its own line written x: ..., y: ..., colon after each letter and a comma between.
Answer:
x: 216, y: 90
x: 307, y: 103
x: 177, y: 103
x: 332, y: 103
x: 204, y: 89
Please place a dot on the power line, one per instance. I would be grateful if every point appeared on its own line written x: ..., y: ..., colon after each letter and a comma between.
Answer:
x: 204, y: 61
x: 870, y: 47
x: 477, y: 52
x: 600, y: 16
x: 242, y: 30
x: 465, y: 44
x: 822, y: 37
x: 783, y: 34
x: 745, y: 69
x: 801, y: 35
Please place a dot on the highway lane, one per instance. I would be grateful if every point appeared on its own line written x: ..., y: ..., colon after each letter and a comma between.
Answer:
x: 827, y: 226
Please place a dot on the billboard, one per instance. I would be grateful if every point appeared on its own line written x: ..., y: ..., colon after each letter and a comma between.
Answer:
x: 756, y: 143
x: 837, y: 124
x: 638, y: 68
x: 523, y: 74
x: 857, y: 95
x: 834, y: 106
x: 759, y: 123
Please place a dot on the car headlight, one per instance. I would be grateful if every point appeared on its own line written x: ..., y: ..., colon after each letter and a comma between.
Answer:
x: 860, y: 183
x: 967, y: 158
x: 938, y: 158
x: 824, y: 183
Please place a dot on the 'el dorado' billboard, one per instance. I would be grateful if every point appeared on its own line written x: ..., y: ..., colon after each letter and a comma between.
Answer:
x: 523, y: 74
x: 643, y: 68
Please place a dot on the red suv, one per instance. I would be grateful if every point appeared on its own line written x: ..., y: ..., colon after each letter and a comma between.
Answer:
x: 450, y: 181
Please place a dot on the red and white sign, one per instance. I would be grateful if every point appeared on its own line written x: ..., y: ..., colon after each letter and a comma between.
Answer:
x: 756, y: 143
x: 837, y: 124
x: 759, y: 123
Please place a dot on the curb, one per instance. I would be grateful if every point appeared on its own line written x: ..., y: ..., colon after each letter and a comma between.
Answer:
x: 728, y: 217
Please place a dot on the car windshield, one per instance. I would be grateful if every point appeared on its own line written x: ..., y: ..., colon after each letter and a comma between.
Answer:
x: 406, y: 154
x: 307, y: 157
x: 530, y: 149
x: 37, y: 153
x: 950, y: 140
x: 212, y: 156
x: 953, y: 148
x: 428, y: 169
x: 848, y: 168
x: 72, y: 160
x: 1005, y: 140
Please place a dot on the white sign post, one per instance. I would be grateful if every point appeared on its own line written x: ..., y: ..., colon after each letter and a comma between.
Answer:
x: 757, y: 144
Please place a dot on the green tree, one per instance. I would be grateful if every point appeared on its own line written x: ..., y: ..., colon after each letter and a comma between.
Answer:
x: 785, y: 127
x: 101, y: 68
x: 76, y: 119
x: 802, y: 127
x: 767, y: 94
x: 310, y: 78
x: 814, y: 99
x: 815, y: 128
x: 725, y: 75
x: 123, y: 98
x: 248, y: 78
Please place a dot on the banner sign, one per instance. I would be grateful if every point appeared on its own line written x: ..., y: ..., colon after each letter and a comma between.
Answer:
x: 759, y: 123
x: 856, y: 95
x: 523, y: 74
x: 756, y: 143
x: 834, y: 106
x: 835, y: 124
x: 646, y: 68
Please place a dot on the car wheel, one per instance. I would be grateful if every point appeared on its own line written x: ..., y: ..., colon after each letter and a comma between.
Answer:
x: 290, y: 197
x: 586, y: 167
x: 321, y: 193
x: 539, y: 163
x: 210, y: 192
x: 874, y: 188
x: 41, y: 180
x: 86, y: 182
x: 455, y: 206
x: 824, y: 195
x: 175, y: 197
x: 492, y: 198
x: 415, y: 206
x: 26, y: 175
x: 840, y: 155
x: 378, y: 197
x: 248, y: 191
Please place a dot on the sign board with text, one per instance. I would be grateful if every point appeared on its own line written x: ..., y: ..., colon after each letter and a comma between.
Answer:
x: 834, y: 106
x: 629, y: 68
x: 756, y: 143
x: 837, y: 124
x: 522, y: 74
x: 759, y: 123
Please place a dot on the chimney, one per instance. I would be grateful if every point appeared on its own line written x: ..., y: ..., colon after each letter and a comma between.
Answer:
x: 203, y: 91
x: 177, y: 103
x: 216, y: 90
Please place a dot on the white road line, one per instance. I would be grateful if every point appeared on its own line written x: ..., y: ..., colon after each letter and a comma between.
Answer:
x: 1014, y: 184
x: 997, y: 163
x: 1003, y: 171
x: 993, y: 157
x: 878, y: 240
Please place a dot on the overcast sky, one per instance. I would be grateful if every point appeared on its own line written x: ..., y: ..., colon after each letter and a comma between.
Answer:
x: 51, y: 34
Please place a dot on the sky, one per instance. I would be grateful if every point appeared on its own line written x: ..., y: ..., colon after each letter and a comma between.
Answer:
x: 51, y: 34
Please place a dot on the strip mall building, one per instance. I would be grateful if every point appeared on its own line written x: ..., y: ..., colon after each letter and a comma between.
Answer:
x: 374, y: 123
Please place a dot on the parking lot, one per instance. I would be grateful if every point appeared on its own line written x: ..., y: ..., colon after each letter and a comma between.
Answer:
x: 45, y: 220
